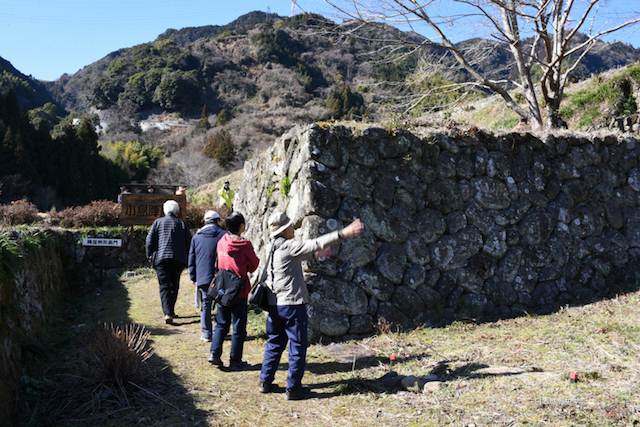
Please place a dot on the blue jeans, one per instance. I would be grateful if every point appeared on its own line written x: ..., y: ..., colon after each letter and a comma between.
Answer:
x: 286, y: 322
x: 224, y: 317
x: 205, y: 313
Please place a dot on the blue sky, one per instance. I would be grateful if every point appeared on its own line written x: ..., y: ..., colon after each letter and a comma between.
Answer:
x: 47, y: 38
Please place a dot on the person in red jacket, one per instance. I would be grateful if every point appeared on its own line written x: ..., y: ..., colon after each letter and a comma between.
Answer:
x: 236, y: 255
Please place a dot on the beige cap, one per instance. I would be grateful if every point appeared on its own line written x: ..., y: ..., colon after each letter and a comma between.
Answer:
x: 278, y: 222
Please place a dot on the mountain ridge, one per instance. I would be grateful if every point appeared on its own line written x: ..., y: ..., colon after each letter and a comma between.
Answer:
x: 31, y: 93
x: 75, y: 99
x: 257, y: 77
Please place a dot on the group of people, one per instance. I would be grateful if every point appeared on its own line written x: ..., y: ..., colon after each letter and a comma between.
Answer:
x: 171, y: 248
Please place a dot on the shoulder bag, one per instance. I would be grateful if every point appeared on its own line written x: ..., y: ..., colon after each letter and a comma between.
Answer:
x: 259, y: 295
x: 226, y: 287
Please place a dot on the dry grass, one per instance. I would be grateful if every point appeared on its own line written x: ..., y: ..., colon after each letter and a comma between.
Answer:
x: 508, y: 373
x: 208, y: 194
x: 115, y: 356
x: 492, y: 113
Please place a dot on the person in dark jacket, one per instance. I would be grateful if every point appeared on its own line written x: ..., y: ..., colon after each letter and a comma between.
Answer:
x: 202, y: 266
x: 167, y: 246
x: 236, y: 255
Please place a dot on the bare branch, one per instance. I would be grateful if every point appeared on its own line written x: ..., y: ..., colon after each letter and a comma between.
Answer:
x: 506, y: 21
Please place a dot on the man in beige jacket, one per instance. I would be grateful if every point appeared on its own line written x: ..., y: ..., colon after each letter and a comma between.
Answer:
x: 289, y: 298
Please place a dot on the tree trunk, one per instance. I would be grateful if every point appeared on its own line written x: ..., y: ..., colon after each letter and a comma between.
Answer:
x: 553, y: 112
x: 512, y: 31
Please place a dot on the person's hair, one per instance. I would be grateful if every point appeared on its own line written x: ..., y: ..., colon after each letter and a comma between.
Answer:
x: 234, y: 221
x: 171, y: 206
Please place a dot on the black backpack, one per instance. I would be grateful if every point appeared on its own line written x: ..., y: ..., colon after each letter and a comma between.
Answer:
x: 225, y: 288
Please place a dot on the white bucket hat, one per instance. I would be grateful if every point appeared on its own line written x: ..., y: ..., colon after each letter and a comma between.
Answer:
x: 278, y: 222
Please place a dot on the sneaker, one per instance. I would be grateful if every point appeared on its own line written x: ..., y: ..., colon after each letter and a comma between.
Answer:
x: 237, y: 365
x: 168, y: 319
x: 215, y: 360
x: 266, y: 387
x: 205, y: 339
x: 297, y: 393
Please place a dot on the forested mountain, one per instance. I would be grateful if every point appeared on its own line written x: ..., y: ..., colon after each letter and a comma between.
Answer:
x: 258, y: 59
x: 253, y: 79
x: 31, y: 93
x: 52, y: 171
x: 223, y: 66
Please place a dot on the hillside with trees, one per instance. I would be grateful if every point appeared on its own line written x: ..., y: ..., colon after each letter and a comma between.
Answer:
x: 51, y: 170
x: 31, y: 93
x: 196, y: 102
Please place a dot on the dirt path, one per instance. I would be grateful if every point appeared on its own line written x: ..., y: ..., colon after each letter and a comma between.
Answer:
x: 506, y: 373
x: 221, y: 397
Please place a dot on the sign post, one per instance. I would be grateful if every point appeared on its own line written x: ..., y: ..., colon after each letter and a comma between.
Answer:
x: 101, y: 243
x: 143, y: 209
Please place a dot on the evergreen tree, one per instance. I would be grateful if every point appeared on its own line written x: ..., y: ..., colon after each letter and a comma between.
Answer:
x: 46, y: 161
x: 220, y: 147
x: 203, y: 125
x: 68, y: 160
x: 223, y: 117
x: 8, y: 152
x: 89, y: 162
x: 71, y: 164
x: 10, y: 109
x: 345, y: 104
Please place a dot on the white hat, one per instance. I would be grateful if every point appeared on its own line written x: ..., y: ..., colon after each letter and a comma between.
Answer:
x: 211, y: 216
x: 278, y: 222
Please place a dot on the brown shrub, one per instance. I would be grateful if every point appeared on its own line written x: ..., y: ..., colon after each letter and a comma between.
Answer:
x: 95, y: 214
x: 194, y: 215
x: 115, y: 356
x: 18, y: 212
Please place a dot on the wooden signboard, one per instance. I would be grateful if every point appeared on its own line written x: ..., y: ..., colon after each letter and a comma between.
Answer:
x: 143, y: 209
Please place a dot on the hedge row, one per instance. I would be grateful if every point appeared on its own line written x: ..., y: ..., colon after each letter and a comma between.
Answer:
x: 100, y: 213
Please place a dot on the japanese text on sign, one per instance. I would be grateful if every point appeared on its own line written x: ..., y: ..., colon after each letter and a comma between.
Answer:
x: 143, y: 209
x: 97, y: 241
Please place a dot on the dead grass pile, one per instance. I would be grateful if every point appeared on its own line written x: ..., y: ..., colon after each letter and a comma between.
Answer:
x: 114, y: 358
x: 111, y: 374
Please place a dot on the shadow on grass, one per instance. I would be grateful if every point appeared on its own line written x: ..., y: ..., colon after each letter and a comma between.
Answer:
x: 165, y: 331
x: 344, y: 366
x: 65, y: 389
x: 390, y: 383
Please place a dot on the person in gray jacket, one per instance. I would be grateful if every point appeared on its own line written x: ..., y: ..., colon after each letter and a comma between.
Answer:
x: 288, y: 300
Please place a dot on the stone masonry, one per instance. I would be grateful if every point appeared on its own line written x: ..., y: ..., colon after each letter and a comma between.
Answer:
x: 459, y: 225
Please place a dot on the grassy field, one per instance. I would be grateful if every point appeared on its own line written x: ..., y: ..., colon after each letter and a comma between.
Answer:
x: 508, y: 373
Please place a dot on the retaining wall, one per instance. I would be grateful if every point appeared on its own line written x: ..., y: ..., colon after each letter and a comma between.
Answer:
x: 53, y: 262
x: 458, y: 224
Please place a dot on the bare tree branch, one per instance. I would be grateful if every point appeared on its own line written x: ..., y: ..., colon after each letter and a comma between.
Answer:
x: 533, y: 31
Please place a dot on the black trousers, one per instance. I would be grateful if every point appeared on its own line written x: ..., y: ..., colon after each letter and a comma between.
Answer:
x: 168, y: 272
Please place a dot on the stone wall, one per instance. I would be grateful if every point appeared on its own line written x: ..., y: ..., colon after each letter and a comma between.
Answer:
x: 458, y: 225
x: 52, y: 263
x: 629, y: 124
